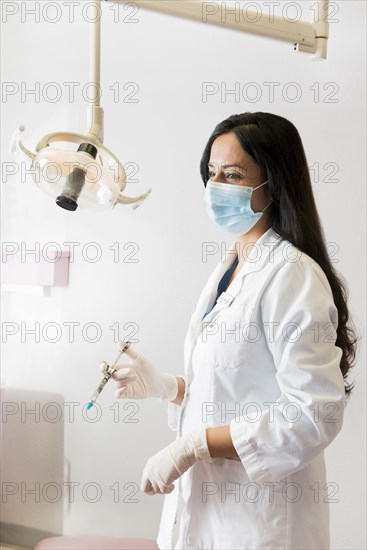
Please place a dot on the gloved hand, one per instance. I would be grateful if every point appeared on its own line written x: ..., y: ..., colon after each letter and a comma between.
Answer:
x: 139, y: 379
x: 163, y: 468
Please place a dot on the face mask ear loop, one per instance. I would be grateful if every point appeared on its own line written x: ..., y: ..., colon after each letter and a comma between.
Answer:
x: 266, y: 206
x: 254, y: 189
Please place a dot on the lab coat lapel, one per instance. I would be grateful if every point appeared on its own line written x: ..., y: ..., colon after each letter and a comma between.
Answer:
x: 256, y: 260
x: 209, y: 292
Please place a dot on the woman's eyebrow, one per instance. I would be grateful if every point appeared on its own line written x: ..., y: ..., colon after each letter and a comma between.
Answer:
x: 226, y: 165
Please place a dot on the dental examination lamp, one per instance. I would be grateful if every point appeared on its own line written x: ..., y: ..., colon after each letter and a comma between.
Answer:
x: 90, y: 176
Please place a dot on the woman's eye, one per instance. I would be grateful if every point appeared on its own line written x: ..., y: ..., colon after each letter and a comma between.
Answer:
x: 233, y: 176
x: 229, y: 176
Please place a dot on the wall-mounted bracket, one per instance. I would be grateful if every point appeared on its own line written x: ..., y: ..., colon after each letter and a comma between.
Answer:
x: 36, y: 269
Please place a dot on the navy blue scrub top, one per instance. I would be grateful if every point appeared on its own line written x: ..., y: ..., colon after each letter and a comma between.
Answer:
x: 223, y: 283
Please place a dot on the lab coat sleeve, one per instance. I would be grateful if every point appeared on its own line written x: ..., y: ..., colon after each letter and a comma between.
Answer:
x: 173, y: 412
x: 298, y: 305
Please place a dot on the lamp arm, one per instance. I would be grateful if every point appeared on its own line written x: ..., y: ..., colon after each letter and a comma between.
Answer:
x: 304, y: 35
x: 96, y: 119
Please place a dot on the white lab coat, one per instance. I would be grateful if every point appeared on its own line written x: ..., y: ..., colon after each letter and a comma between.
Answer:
x: 264, y: 361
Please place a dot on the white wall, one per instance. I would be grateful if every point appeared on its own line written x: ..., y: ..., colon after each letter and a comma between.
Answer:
x: 165, y: 133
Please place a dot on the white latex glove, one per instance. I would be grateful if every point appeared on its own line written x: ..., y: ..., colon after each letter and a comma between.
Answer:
x: 163, y: 468
x: 139, y: 379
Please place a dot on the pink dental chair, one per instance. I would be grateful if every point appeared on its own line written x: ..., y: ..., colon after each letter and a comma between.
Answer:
x: 95, y: 543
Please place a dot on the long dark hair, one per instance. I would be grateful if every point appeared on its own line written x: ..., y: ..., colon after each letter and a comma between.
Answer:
x: 276, y: 146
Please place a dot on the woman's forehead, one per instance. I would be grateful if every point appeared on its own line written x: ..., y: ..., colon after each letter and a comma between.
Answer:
x: 226, y: 150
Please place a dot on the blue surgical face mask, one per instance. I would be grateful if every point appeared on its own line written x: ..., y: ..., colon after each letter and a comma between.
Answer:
x: 229, y: 205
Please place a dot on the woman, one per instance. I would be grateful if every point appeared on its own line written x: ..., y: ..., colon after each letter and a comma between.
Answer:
x: 266, y: 355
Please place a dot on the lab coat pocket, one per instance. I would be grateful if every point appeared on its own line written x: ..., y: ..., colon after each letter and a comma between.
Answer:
x: 225, y: 510
x: 230, y: 333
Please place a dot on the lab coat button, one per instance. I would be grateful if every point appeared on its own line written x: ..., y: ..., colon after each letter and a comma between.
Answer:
x: 225, y: 298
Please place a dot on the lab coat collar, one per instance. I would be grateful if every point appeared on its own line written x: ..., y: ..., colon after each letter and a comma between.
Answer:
x: 258, y: 256
x: 256, y: 260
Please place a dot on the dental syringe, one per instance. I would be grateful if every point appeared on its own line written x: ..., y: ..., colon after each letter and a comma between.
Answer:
x: 107, y: 375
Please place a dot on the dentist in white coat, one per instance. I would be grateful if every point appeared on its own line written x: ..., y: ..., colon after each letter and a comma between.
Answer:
x: 266, y: 353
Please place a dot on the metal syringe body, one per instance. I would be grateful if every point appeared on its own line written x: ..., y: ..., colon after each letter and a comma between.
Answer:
x: 107, y: 376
